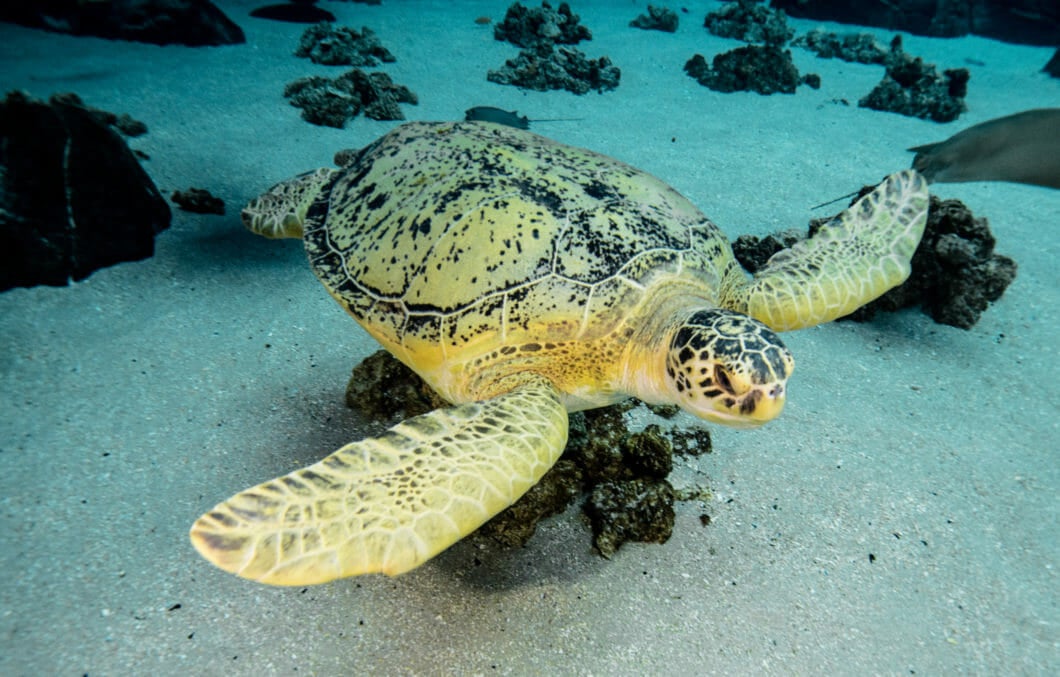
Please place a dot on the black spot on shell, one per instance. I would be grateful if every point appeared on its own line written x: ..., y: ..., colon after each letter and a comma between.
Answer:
x: 378, y: 201
x: 599, y: 191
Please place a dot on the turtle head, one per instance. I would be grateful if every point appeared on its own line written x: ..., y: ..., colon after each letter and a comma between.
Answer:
x: 728, y: 368
x: 281, y: 210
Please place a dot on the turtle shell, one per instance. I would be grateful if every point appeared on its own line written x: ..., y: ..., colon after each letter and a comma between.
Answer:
x: 443, y: 235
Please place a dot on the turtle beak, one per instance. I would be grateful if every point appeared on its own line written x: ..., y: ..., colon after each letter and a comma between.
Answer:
x: 753, y: 409
x: 764, y: 404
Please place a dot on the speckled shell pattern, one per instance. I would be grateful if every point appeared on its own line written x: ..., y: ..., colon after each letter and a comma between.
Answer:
x: 444, y: 238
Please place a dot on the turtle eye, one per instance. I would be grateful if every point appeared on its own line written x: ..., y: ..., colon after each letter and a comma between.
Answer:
x: 721, y: 377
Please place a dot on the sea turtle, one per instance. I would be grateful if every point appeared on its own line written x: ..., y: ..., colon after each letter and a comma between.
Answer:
x: 522, y: 279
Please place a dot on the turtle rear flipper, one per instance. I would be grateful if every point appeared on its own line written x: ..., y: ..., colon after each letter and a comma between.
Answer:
x: 863, y: 252
x: 388, y: 504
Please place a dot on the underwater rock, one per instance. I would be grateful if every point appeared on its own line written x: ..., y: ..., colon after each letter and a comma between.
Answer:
x: 914, y: 88
x: 602, y: 446
x: 955, y: 277
x: 1032, y: 22
x: 853, y: 47
x: 754, y: 68
x: 546, y: 67
x: 295, y: 11
x: 123, y: 122
x: 514, y: 526
x: 331, y: 102
x: 664, y: 410
x: 195, y: 23
x: 384, y: 389
x: 750, y: 21
x: 752, y: 252
x: 648, y: 453
x: 332, y: 45
x: 198, y: 201
x: 128, y: 126
x: 956, y: 274
x: 1053, y: 67
x: 640, y: 510
x: 636, y: 502
x: 657, y: 19
x: 541, y: 26
x: 692, y: 442
x: 73, y: 197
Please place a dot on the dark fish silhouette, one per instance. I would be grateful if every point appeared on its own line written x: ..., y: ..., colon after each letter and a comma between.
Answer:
x: 504, y: 117
x: 1024, y: 148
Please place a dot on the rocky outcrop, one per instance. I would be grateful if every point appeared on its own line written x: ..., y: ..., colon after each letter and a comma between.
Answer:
x: 1031, y: 22
x: 195, y: 23
x: 73, y: 197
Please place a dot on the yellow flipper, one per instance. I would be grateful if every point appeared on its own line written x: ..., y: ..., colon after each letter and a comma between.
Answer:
x: 390, y: 503
x: 863, y: 252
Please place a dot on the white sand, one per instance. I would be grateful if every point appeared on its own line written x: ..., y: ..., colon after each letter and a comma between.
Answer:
x: 137, y: 399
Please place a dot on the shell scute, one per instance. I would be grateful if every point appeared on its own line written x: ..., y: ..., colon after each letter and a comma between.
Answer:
x: 451, y: 232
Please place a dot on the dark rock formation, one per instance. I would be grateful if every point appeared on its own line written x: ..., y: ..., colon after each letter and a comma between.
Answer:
x: 533, y: 27
x: 854, y: 47
x: 514, y: 526
x: 1032, y: 22
x: 914, y: 88
x: 73, y: 197
x: 750, y: 21
x: 1053, y: 67
x: 754, y: 68
x: 162, y: 22
x: 956, y: 274
x: 333, y: 101
x: 546, y: 67
x: 333, y: 45
x: 382, y: 388
x: 640, y: 510
x: 198, y: 201
x: 657, y: 19
x: 296, y: 12
x: 752, y: 252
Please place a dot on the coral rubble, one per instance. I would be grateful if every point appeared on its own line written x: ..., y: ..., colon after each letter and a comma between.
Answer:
x: 914, y: 88
x: 331, y: 45
x: 755, y: 68
x: 546, y: 67
x: 333, y: 101
x: 657, y: 19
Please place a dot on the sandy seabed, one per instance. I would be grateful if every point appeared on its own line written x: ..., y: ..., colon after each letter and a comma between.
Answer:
x: 135, y: 400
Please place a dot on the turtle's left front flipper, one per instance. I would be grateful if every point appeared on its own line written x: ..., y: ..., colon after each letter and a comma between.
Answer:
x: 863, y: 252
x: 390, y: 503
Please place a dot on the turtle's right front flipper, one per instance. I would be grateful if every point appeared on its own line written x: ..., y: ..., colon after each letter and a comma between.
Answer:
x: 390, y: 503
x: 860, y: 254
